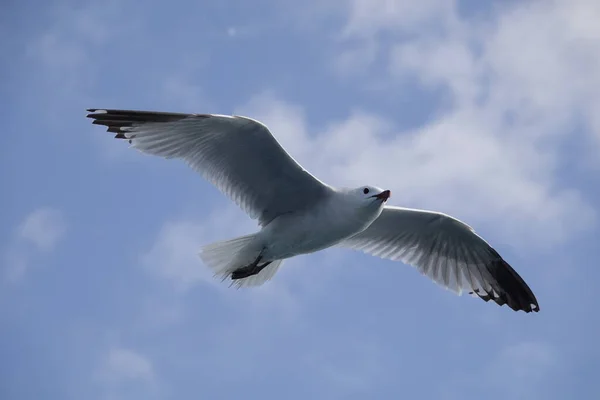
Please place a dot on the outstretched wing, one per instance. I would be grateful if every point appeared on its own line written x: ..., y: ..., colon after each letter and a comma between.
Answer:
x: 446, y: 250
x: 236, y: 154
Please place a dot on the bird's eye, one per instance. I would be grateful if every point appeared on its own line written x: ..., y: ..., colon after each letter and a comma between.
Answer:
x: 366, y: 190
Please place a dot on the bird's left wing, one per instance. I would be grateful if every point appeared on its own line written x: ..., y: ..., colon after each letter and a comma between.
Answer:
x: 446, y: 250
x: 236, y: 154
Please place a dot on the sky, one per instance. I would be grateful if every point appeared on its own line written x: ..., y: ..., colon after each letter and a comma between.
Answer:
x: 487, y: 111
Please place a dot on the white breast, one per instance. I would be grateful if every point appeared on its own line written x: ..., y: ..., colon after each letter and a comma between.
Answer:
x: 316, y: 229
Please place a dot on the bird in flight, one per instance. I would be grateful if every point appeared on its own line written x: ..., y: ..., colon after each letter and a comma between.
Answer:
x: 299, y: 214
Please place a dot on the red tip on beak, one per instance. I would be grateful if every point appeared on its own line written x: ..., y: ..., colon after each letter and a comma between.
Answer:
x: 386, y: 194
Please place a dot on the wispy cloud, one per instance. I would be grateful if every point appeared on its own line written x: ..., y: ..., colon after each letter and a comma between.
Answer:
x: 365, y: 18
x: 124, y: 373
x: 539, y: 79
x: 122, y: 364
x: 39, y: 232
x: 68, y: 37
x: 43, y: 228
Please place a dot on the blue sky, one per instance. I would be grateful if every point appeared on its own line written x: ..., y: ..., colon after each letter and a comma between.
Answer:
x: 488, y: 113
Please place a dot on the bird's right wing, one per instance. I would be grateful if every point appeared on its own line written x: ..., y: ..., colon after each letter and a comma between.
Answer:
x: 236, y: 154
x: 447, y: 251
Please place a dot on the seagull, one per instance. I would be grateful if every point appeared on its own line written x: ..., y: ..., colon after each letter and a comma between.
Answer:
x: 299, y: 214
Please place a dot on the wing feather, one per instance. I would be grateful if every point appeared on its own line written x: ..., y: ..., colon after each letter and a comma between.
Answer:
x: 447, y: 251
x: 238, y: 155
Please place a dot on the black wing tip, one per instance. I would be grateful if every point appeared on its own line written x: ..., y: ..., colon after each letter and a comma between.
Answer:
x: 510, y: 289
x: 94, y: 112
x: 526, y: 307
x: 116, y: 120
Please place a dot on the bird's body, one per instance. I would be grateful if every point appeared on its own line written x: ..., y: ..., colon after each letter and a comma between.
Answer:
x: 340, y: 215
x: 298, y: 214
x: 336, y: 219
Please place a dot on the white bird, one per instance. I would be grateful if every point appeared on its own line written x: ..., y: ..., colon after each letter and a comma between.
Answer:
x: 299, y: 214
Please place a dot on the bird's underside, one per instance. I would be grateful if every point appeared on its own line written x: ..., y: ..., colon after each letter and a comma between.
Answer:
x: 240, y: 156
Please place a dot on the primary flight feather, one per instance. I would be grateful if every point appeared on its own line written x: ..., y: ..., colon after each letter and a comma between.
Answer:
x: 299, y: 214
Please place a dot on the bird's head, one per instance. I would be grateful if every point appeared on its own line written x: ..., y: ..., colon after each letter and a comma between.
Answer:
x: 367, y: 201
x: 371, y: 196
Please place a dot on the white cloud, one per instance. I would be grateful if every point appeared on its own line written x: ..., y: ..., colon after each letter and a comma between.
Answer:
x: 369, y: 17
x: 124, y: 373
x: 527, y: 65
x: 62, y: 50
x: 43, y: 228
x: 434, y: 62
x: 181, y: 87
x: 355, y: 59
x: 55, y: 53
x: 39, y: 232
x: 514, y: 59
x: 65, y: 55
x: 123, y: 364
x: 174, y: 253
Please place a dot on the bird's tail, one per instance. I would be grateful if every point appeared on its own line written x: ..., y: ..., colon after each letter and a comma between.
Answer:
x: 226, y: 256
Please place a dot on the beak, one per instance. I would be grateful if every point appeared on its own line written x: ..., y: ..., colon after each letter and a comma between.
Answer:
x: 386, y: 194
